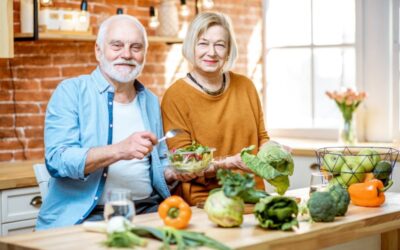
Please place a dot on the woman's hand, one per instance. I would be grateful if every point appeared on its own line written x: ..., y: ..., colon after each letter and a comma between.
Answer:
x: 171, y: 176
x: 231, y: 162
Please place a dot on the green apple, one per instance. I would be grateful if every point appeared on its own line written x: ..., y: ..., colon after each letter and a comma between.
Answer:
x: 332, y: 162
x: 338, y: 180
x: 352, y: 161
x: 373, y: 156
x: 352, y: 174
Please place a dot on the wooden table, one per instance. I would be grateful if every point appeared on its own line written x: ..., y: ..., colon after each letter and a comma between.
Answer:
x: 359, y: 222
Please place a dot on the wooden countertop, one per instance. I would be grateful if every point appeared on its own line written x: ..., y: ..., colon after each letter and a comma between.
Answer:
x: 17, y: 174
x: 359, y: 222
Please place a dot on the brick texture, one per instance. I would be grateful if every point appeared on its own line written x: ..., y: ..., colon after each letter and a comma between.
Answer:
x: 28, y: 80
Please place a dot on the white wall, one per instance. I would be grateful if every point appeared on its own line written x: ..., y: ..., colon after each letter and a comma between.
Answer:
x: 376, y: 68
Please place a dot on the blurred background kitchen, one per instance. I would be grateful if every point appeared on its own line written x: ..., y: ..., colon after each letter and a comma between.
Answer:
x: 293, y: 50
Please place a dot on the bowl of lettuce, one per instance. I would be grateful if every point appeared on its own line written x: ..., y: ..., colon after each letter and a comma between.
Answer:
x: 194, y: 158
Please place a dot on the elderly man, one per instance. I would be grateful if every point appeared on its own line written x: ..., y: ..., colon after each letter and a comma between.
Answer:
x: 101, y: 133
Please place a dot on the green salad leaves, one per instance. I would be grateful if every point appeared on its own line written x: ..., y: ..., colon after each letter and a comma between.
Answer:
x: 273, y: 163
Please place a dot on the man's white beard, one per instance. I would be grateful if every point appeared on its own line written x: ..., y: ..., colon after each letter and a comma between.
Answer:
x: 116, y: 75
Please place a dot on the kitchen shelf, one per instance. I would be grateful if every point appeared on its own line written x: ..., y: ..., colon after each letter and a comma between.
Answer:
x: 83, y: 36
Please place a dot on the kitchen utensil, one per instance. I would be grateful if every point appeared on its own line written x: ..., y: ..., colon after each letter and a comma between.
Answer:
x: 171, y: 133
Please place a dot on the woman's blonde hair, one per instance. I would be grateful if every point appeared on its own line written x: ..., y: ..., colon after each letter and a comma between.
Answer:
x: 199, y: 25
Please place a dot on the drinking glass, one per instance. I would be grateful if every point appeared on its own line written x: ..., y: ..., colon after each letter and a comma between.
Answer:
x: 319, y: 181
x: 119, y: 203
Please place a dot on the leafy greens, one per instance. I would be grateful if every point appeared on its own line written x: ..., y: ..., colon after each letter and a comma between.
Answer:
x: 277, y: 212
x: 273, y: 163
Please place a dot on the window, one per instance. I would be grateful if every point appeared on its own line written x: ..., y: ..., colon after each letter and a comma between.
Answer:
x: 396, y: 71
x: 310, y: 49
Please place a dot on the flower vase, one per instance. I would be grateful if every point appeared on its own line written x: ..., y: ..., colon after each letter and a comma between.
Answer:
x: 347, y: 132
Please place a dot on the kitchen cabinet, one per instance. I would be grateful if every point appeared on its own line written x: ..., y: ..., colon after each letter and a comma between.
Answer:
x: 19, y: 209
x: 6, y: 29
x: 19, y: 197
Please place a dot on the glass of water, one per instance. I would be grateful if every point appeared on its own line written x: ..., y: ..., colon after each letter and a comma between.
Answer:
x: 119, y: 203
x: 319, y: 181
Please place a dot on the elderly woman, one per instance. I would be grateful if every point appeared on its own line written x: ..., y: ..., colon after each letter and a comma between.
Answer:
x: 214, y: 106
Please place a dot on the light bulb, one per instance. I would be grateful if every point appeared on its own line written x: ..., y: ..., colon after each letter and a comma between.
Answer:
x: 208, y: 4
x: 46, y: 2
x: 184, y: 10
x: 153, y: 23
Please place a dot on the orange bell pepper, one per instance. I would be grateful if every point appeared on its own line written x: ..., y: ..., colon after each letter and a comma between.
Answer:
x: 369, y: 193
x: 175, y: 212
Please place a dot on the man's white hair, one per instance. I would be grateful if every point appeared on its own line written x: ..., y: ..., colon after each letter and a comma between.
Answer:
x: 106, y: 23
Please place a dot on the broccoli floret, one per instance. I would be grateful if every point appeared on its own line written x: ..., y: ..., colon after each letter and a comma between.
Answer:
x: 342, y: 198
x: 322, y: 207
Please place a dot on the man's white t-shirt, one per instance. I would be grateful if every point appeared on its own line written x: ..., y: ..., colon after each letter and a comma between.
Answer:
x: 128, y: 174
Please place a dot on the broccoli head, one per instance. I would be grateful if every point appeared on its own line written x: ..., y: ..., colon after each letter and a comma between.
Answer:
x: 322, y: 207
x: 342, y: 199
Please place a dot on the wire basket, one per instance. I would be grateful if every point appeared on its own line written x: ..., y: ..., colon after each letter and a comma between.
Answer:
x: 354, y: 164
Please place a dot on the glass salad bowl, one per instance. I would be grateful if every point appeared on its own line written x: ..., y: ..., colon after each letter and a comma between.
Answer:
x: 191, y: 159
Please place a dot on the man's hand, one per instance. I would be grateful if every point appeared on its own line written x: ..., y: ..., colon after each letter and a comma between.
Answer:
x: 137, y: 145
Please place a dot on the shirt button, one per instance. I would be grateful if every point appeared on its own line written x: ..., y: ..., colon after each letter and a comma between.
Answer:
x: 95, y: 198
x: 110, y: 125
x: 110, y: 103
x: 105, y: 174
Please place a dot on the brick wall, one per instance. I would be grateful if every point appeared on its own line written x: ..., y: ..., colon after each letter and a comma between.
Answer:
x: 28, y: 79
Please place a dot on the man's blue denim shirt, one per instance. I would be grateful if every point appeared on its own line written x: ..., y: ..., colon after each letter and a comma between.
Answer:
x: 79, y: 117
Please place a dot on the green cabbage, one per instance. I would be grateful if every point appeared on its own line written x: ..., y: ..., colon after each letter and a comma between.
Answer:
x: 273, y: 163
x: 277, y: 212
x: 224, y: 211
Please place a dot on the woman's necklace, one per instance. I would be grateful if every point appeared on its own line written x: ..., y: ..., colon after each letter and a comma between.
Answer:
x: 210, y: 92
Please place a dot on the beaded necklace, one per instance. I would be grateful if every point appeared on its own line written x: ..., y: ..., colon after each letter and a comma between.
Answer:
x: 210, y: 92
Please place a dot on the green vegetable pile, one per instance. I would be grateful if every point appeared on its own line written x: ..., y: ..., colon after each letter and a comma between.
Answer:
x: 324, y: 206
x: 240, y: 185
x: 224, y: 211
x: 342, y: 199
x: 181, y: 238
x: 273, y: 163
x: 122, y: 234
x: 124, y: 240
x: 277, y: 212
x: 225, y: 206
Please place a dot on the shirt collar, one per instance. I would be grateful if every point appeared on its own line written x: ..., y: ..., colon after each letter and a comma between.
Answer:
x: 103, y: 85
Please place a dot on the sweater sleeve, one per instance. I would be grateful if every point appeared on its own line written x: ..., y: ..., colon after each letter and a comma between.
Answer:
x: 263, y: 136
x: 175, y: 116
